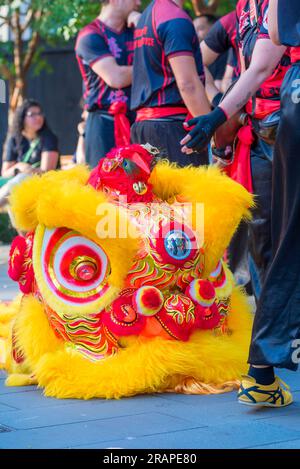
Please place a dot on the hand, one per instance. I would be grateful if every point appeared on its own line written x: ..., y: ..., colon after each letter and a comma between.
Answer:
x: 205, y: 126
x: 81, y: 128
x: 133, y: 19
x: 24, y: 168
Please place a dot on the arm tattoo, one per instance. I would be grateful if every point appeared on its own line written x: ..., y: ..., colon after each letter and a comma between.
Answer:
x: 243, y: 102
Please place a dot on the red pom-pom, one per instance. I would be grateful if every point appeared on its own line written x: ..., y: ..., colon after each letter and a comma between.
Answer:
x: 207, y: 290
x: 202, y: 292
x: 151, y: 299
x: 148, y: 300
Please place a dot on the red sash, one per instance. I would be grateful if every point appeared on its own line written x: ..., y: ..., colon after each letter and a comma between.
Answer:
x: 118, y: 109
x: 147, y: 113
x: 295, y: 54
x: 240, y: 169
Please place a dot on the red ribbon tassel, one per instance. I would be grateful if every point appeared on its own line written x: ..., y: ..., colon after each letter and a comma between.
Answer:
x: 118, y: 109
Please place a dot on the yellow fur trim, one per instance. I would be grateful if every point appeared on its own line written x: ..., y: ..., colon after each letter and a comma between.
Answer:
x: 25, y: 197
x: 19, y: 379
x: 225, y: 202
x: 225, y: 291
x: 147, y: 366
x: 8, y: 314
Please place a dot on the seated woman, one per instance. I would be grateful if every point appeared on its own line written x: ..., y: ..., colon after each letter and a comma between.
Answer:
x: 31, y: 147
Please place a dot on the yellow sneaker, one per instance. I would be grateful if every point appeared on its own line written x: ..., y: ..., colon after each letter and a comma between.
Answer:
x: 276, y: 394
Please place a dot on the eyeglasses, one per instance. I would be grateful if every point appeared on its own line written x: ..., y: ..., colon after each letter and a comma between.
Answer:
x: 34, y: 114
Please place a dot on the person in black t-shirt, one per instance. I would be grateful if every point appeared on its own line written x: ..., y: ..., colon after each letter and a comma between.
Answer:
x: 204, y: 24
x: 104, y: 51
x: 168, y: 80
x: 220, y: 42
x: 30, y: 148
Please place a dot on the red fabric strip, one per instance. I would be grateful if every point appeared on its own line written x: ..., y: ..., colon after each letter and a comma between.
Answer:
x: 147, y: 113
x: 295, y: 54
x: 118, y: 109
x: 240, y: 169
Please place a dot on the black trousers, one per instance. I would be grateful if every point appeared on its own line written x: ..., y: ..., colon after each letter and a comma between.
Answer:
x: 249, y: 252
x: 259, y: 229
x: 99, y: 137
x: 165, y: 134
x: 276, y: 326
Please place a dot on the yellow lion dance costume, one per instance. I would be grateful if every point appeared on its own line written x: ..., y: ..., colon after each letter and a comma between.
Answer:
x: 147, y: 308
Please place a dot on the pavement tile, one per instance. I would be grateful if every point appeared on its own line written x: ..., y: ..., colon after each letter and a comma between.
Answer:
x: 6, y: 408
x: 8, y: 288
x: 210, y: 411
x: 30, y: 399
x: 225, y: 436
x: 88, y: 411
x: 4, y: 390
x: 290, y: 420
x: 88, y: 433
x: 292, y: 444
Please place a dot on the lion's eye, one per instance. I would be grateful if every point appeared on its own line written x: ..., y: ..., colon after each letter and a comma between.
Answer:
x: 73, y: 267
x: 84, y: 268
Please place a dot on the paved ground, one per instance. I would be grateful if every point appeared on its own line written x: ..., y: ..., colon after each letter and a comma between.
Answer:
x: 30, y: 420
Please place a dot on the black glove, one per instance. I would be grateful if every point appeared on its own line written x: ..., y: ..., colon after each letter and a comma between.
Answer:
x: 205, y: 127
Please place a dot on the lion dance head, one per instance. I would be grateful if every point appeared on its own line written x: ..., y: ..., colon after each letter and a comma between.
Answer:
x: 124, y: 287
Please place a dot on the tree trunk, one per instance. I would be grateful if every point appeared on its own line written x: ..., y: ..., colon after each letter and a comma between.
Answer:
x: 22, y: 62
x: 202, y: 7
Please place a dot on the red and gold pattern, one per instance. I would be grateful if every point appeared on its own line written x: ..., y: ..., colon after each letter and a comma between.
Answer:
x: 87, y: 335
x: 20, y: 262
x: 178, y: 316
x: 121, y: 317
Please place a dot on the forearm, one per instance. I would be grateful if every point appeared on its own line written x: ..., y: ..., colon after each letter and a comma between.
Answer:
x: 194, y: 97
x: 10, y: 171
x: 247, y: 85
x: 80, y: 151
x: 114, y: 75
x: 49, y: 161
x: 123, y: 77
x: 227, y: 79
x: 210, y: 86
x: 273, y: 21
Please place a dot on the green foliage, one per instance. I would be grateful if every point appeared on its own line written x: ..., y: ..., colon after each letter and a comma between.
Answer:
x: 225, y: 6
x: 62, y: 19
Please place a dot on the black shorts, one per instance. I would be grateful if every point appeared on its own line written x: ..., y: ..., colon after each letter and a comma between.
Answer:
x: 165, y: 134
x: 99, y: 137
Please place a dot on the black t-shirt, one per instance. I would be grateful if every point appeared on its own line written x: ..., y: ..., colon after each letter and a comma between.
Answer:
x: 94, y: 42
x: 15, y: 152
x: 221, y: 38
x: 289, y: 22
x: 163, y: 31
